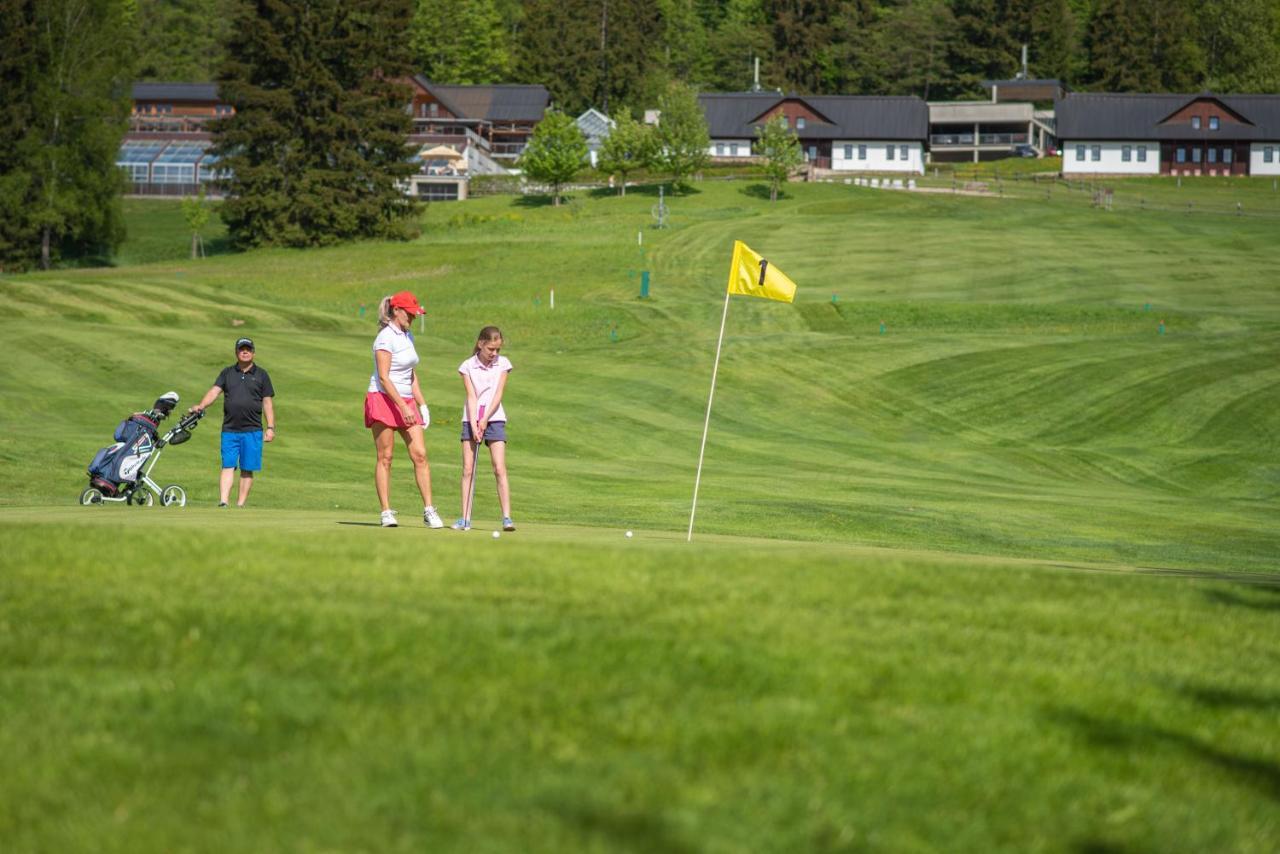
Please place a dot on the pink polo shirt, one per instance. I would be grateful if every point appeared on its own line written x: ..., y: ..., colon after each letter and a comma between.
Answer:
x: 484, y: 379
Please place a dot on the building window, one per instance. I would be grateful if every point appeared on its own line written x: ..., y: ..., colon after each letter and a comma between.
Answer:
x: 862, y: 153
x: 1226, y: 155
x: 1142, y: 154
x: 786, y: 122
x: 902, y: 152
x: 1195, y: 123
x: 848, y: 152
x: 1213, y: 155
x: 1181, y: 156
x: 1268, y: 154
x: 888, y: 152
x: 812, y: 154
x: 800, y: 123
x: 1213, y: 122
x: 733, y: 149
x: 438, y: 192
x: 1195, y: 155
x: 1096, y: 153
x: 1079, y: 152
x: 1126, y: 153
x: 719, y: 149
x: 433, y: 109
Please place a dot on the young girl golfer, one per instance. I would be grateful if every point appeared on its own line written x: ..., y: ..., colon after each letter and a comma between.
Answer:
x: 484, y: 376
x: 394, y: 404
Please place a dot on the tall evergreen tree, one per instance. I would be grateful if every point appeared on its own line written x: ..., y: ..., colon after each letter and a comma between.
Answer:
x: 1119, y: 54
x: 913, y: 43
x: 741, y: 37
x: 589, y: 53
x: 811, y: 40
x: 1053, y: 37
x: 1143, y: 46
x: 1174, y: 50
x: 684, y: 41
x: 66, y: 66
x: 1240, y: 42
x: 19, y: 69
x: 984, y: 47
x: 317, y: 146
x: 181, y: 40
x: 460, y: 41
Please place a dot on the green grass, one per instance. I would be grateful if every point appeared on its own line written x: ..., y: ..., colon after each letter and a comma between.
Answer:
x: 1001, y: 576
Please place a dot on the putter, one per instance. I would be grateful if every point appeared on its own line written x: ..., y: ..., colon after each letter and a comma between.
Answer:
x: 475, y: 467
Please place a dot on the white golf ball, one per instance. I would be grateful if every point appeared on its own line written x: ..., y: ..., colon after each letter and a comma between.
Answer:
x: 497, y: 534
x: 628, y: 535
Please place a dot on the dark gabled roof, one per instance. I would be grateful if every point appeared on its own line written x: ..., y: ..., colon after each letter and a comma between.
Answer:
x: 1025, y: 81
x: 496, y: 102
x: 175, y: 92
x: 733, y: 115
x: 1115, y: 116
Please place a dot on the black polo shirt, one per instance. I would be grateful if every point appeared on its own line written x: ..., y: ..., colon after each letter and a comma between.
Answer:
x: 243, y: 392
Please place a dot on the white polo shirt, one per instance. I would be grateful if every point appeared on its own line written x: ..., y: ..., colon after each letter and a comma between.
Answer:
x: 484, y: 379
x: 404, y: 358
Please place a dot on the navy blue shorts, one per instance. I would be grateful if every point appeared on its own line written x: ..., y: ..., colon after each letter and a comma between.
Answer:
x: 494, y: 431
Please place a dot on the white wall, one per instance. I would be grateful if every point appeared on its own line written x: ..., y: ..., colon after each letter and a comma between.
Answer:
x: 744, y: 147
x: 1256, y: 164
x: 877, y: 157
x: 1110, y: 160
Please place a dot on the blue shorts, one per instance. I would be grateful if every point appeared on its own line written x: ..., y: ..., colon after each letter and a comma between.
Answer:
x: 242, y: 451
x: 494, y: 431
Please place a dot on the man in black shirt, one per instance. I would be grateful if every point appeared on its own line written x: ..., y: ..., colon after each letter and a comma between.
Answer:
x: 249, y: 397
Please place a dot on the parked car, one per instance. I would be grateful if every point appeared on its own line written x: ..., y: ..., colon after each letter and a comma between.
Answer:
x: 1023, y: 151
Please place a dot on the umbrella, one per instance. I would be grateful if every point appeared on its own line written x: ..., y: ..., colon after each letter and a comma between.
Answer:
x: 440, y: 152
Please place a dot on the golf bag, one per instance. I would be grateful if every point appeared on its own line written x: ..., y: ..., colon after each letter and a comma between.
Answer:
x: 117, y: 466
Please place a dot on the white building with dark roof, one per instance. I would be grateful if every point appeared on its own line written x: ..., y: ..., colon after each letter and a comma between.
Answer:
x: 842, y: 133
x: 1204, y: 134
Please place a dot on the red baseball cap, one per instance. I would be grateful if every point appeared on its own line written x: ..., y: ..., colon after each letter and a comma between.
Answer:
x: 408, y: 302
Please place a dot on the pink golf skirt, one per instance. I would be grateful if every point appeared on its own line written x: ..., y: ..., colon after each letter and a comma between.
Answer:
x: 380, y: 409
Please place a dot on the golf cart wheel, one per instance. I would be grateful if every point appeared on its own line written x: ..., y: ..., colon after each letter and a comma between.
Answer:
x: 92, y: 495
x: 142, y: 498
x: 173, y: 496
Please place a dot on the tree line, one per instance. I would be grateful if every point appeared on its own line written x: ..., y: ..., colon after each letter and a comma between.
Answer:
x: 623, y: 54
x: 315, y: 150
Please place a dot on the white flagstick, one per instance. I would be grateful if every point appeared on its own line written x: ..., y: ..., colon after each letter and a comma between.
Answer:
x: 707, y: 422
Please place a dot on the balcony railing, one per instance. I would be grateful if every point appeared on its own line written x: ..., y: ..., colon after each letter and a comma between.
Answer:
x: 508, y: 149
x: 983, y: 139
x: 170, y: 124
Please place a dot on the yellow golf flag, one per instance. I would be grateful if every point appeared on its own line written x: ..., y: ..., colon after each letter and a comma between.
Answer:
x: 753, y: 276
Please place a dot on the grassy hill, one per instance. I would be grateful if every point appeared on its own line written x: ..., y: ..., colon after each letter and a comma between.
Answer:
x: 985, y: 555
x: 1021, y: 400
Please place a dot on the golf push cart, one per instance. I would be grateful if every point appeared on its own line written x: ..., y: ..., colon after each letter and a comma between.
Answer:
x: 122, y: 472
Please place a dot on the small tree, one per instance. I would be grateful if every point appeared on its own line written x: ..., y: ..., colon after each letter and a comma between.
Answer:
x: 555, y: 153
x: 777, y: 144
x: 628, y: 147
x: 196, y: 213
x: 682, y: 136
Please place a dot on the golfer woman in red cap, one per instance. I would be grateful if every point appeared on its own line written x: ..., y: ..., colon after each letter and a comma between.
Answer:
x: 394, y: 404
